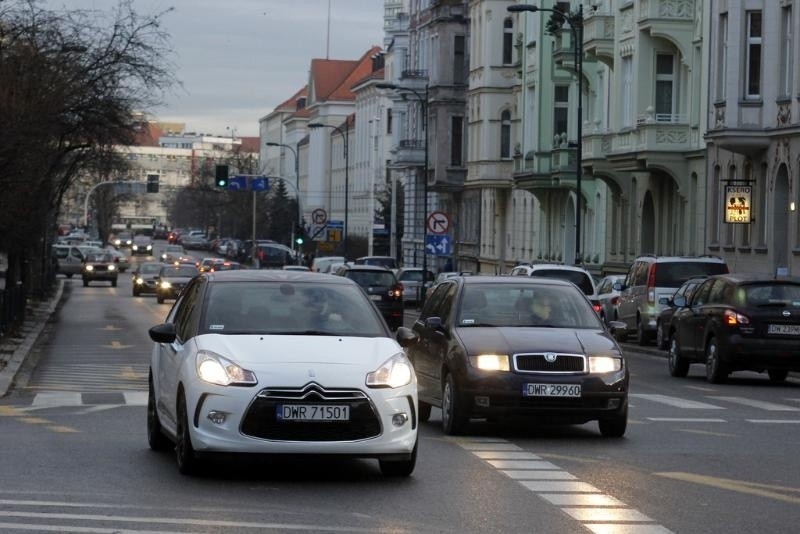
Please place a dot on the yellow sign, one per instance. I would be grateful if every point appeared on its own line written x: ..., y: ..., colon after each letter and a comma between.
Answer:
x: 334, y: 234
x: 738, y: 204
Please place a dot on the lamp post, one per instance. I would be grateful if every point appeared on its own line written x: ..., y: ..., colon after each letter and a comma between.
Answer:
x: 346, y: 136
x: 575, y: 22
x: 296, y: 180
x: 423, y: 101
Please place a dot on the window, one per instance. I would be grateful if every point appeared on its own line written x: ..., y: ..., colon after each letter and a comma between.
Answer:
x: 457, y: 141
x: 389, y: 121
x: 627, y: 92
x: 722, y: 56
x: 753, y: 56
x: 561, y: 109
x: 505, y: 134
x: 459, y: 62
x: 508, y: 41
x: 786, y: 51
x: 665, y: 87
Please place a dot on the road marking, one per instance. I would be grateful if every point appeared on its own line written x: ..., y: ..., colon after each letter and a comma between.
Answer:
x: 774, y: 421
x: 62, y: 429
x: 34, y: 420
x: 706, y: 433
x: 135, y: 398
x: 546, y: 486
x: 116, y: 345
x: 741, y: 486
x: 770, y: 406
x: 129, y: 373
x: 686, y: 420
x: 698, y: 388
x: 677, y: 402
x: 58, y: 399
x: 521, y: 464
x: 606, y: 514
x: 111, y: 328
x: 491, y: 446
x: 627, y: 529
x: 538, y: 475
x: 581, y: 499
x: 9, y: 411
x: 506, y: 455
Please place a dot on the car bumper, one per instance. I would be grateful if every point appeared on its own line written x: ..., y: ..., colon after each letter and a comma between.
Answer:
x: 744, y: 352
x: 100, y: 276
x: 486, y: 394
x: 145, y: 287
x: 230, y: 436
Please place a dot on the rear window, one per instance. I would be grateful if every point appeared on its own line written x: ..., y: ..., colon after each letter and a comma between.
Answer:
x: 411, y: 276
x: 371, y: 278
x: 188, y: 270
x: 769, y: 295
x: 674, y: 274
x: 578, y: 278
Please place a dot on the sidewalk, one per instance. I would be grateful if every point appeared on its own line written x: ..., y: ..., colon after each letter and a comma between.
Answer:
x: 14, y: 350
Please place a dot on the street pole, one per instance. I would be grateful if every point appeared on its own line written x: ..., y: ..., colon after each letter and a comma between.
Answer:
x: 346, y: 136
x: 297, y: 186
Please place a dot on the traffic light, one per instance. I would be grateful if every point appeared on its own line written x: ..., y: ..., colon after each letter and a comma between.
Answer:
x: 222, y: 176
x: 299, y: 234
x: 152, y: 183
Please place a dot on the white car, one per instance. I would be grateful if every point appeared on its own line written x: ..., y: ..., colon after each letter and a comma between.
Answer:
x: 281, y: 362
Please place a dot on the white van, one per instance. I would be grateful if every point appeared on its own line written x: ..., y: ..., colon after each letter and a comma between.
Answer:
x: 70, y: 259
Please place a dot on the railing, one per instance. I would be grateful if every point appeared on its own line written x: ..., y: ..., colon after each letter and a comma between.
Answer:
x: 663, y: 118
x: 412, y: 143
x: 414, y: 73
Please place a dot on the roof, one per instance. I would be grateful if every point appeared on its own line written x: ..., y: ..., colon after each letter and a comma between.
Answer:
x: 750, y: 278
x: 273, y: 275
x: 290, y: 104
x: 482, y: 279
x: 333, y: 79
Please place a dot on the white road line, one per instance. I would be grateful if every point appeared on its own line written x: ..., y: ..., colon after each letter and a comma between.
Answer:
x: 135, y: 398
x: 770, y: 406
x: 82, y: 530
x: 604, y: 515
x: 774, y: 421
x: 676, y: 402
x: 581, y: 499
x: 505, y: 446
x: 538, y: 475
x: 506, y: 455
x: 58, y: 399
x: 627, y: 529
x: 522, y: 464
x: 686, y: 420
x: 558, y: 486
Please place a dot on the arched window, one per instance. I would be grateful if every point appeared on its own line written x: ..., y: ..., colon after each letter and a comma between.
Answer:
x: 505, y: 134
x: 508, y: 42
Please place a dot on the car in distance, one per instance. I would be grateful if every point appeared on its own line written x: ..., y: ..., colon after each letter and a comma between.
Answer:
x: 172, y: 279
x: 142, y: 244
x: 664, y: 321
x: 122, y: 239
x: 277, y: 362
x: 738, y: 322
x: 69, y: 259
x: 99, y: 266
x: 218, y: 264
x: 518, y: 348
x: 321, y: 263
x: 145, y: 277
x: 607, y: 296
x: 413, y: 284
x: 382, y: 261
x: 649, y: 279
x: 381, y: 287
x: 170, y: 253
x: 571, y: 273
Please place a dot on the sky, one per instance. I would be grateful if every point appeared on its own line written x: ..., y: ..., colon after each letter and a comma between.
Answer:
x: 238, y: 59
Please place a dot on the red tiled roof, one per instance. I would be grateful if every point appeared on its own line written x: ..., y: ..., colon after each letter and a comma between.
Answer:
x: 147, y: 134
x: 362, y: 69
x: 376, y: 75
x: 333, y: 78
x: 291, y: 103
x: 250, y: 144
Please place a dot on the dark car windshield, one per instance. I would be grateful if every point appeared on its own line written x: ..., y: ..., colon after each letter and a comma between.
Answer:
x: 371, y: 278
x: 180, y: 271
x: 150, y: 269
x: 99, y: 258
x: 763, y: 295
x: 525, y: 305
x: 289, y: 309
x: 674, y: 274
x: 578, y: 278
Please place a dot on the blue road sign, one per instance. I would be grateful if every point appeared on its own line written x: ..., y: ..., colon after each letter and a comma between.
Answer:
x: 336, y: 225
x: 237, y: 183
x: 438, y: 245
x: 260, y: 183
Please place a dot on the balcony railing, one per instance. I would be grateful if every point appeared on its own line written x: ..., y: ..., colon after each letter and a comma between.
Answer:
x: 662, y: 118
x: 412, y: 143
x: 414, y: 74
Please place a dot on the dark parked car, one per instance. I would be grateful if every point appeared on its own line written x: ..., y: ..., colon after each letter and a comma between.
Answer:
x: 172, y: 279
x: 382, y: 288
x: 737, y: 322
x: 145, y: 277
x: 99, y: 266
x: 664, y: 321
x: 518, y: 348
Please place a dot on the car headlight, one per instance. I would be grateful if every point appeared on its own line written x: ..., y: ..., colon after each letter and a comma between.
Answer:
x: 604, y: 364
x: 117, y: 242
x: 490, y: 362
x: 165, y: 285
x: 149, y: 247
x: 163, y: 256
x: 394, y: 373
x: 215, y: 369
x: 139, y: 281
x: 135, y: 248
x: 90, y: 267
x: 112, y: 268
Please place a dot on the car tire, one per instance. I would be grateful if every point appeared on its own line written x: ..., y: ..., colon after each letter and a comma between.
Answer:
x: 642, y: 337
x: 614, y: 427
x: 777, y: 375
x: 399, y: 468
x: 716, y: 373
x: 160, y: 299
x: 135, y: 292
x: 662, y: 341
x: 424, y: 411
x: 621, y: 335
x: 453, y: 418
x: 85, y: 283
x: 69, y: 275
x: 155, y: 437
x: 114, y: 283
x: 184, y: 452
x: 678, y: 365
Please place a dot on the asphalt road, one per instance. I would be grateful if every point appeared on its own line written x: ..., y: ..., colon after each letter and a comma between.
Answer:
x: 697, y: 457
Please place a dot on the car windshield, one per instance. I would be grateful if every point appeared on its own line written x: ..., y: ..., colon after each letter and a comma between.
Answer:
x: 768, y: 295
x: 371, y: 278
x: 289, y: 309
x: 180, y: 270
x: 524, y: 305
x: 674, y: 274
x: 411, y: 276
x: 99, y: 258
x: 582, y: 280
x: 149, y: 269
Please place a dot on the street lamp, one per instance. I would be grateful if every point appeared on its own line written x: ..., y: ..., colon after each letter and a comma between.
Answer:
x: 346, y: 136
x: 423, y: 101
x: 296, y: 179
x: 575, y: 22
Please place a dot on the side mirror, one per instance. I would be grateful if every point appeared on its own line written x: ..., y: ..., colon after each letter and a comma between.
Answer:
x: 679, y: 302
x: 618, y: 286
x: 665, y: 300
x: 163, y: 333
x: 434, y: 323
x: 406, y: 337
x: 616, y: 326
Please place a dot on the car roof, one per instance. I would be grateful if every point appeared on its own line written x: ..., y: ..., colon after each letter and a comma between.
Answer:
x: 670, y: 259
x: 748, y: 278
x: 274, y: 275
x: 497, y: 279
x: 381, y: 268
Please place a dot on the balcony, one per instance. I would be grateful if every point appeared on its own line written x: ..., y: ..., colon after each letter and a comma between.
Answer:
x: 414, y: 74
x: 409, y: 153
x: 563, y: 50
x: 673, y: 20
x: 598, y: 37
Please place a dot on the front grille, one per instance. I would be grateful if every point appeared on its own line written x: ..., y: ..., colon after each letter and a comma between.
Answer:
x: 538, y: 363
x: 261, y: 421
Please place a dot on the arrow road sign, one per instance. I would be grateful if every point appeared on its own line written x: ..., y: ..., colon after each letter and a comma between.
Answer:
x: 237, y: 183
x: 438, y: 222
x: 438, y: 245
x: 260, y: 184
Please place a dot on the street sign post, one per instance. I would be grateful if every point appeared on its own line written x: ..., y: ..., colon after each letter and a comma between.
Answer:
x: 438, y: 245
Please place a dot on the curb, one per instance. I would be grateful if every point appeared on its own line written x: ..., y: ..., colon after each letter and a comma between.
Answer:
x: 33, y: 326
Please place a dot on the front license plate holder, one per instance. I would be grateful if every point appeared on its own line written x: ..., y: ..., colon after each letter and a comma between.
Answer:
x: 314, y: 413
x: 551, y: 390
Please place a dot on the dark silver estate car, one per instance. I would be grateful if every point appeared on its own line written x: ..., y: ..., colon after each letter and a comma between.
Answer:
x: 518, y: 348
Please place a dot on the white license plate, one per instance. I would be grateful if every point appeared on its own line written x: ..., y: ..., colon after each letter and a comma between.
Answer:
x: 376, y: 297
x: 312, y: 412
x: 784, y: 329
x: 551, y: 390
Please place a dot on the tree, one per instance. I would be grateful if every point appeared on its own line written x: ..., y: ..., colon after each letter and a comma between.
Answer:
x: 71, y: 81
